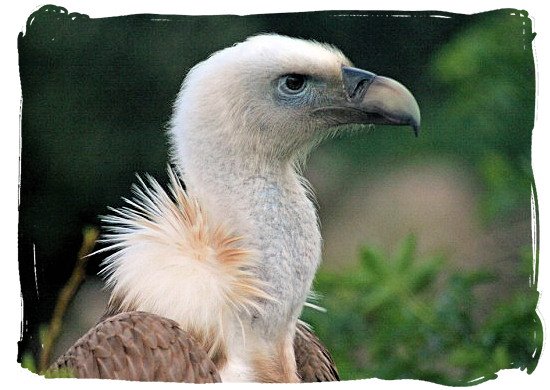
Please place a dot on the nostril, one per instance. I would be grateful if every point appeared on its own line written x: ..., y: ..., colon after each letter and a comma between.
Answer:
x: 359, y: 87
x: 356, y: 81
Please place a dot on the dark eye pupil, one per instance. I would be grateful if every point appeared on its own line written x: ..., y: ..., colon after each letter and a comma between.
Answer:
x: 294, y: 82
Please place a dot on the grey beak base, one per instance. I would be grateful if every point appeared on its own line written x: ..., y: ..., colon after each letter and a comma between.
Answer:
x: 356, y: 81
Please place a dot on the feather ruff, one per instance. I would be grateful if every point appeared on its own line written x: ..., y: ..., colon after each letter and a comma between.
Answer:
x: 169, y: 260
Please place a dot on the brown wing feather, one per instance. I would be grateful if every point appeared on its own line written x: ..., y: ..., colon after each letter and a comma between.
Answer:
x: 312, y: 359
x: 141, y: 347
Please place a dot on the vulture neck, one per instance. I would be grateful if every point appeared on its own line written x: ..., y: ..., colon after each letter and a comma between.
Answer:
x: 266, y: 202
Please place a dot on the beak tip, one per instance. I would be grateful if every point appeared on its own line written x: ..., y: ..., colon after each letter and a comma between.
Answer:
x: 415, y: 118
x: 415, y: 124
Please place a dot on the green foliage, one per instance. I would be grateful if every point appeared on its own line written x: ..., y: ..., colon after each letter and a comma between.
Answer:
x: 485, y: 107
x: 397, y: 317
x: 507, y: 186
x: 28, y: 362
x: 62, y: 373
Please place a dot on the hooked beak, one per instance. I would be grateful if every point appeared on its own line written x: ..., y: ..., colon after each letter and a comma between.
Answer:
x: 380, y: 100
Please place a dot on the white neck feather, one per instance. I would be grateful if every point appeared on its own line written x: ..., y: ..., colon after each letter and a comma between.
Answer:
x: 268, y: 205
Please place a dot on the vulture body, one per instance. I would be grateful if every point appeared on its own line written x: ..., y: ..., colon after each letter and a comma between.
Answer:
x: 142, y: 346
x: 208, y: 282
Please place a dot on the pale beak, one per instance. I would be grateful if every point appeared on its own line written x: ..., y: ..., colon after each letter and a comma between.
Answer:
x: 382, y: 100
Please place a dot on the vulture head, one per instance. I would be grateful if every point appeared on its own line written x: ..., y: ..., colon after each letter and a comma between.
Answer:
x: 231, y: 258
x: 272, y: 98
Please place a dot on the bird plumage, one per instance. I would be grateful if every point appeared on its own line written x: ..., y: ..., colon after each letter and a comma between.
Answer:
x: 141, y: 346
x: 138, y: 346
x: 231, y: 259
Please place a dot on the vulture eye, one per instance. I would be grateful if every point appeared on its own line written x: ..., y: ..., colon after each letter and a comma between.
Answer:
x: 292, y: 84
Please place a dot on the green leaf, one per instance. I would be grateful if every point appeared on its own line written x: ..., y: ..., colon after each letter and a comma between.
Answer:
x: 406, y: 253
x: 426, y: 274
x: 372, y: 261
x: 28, y: 362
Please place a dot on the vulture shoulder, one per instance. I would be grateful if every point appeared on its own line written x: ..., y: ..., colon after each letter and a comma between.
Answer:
x: 313, y: 360
x: 138, y: 346
x: 141, y: 346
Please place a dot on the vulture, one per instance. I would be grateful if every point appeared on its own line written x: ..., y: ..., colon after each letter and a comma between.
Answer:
x: 209, y: 274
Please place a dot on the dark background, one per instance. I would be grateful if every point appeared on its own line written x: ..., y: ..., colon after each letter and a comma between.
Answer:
x: 97, y: 94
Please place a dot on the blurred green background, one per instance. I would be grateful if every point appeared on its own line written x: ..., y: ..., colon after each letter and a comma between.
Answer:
x: 428, y: 266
